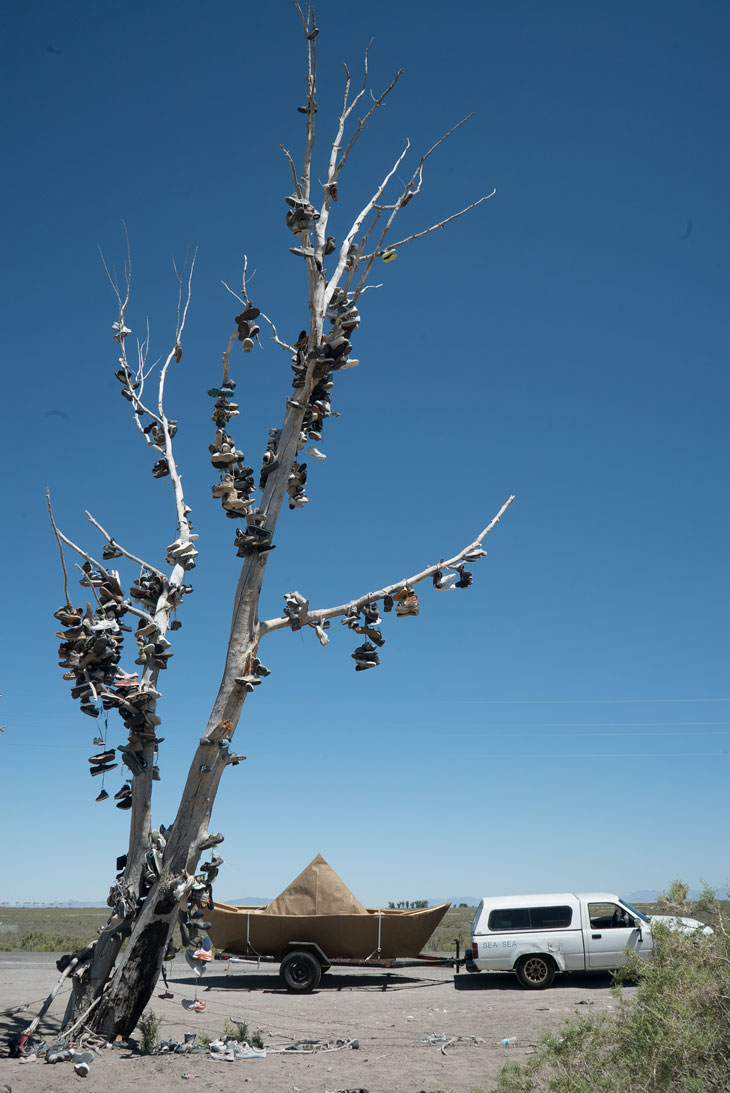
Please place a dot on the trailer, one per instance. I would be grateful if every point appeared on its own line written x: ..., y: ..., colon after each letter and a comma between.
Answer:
x: 316, y: 923
x: 303, y: 964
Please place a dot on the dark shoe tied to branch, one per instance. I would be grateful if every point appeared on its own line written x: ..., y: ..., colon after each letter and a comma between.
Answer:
x: 365, y: 657
x: 465, y: 577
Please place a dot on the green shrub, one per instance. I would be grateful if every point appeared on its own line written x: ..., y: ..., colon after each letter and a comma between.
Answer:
x: 235, y: 1030
x: 149, y: 1027
x: 239, y: 1031
x: 671, y: 1037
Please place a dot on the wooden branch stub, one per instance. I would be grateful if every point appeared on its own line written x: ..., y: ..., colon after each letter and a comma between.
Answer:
x: 232, y: 760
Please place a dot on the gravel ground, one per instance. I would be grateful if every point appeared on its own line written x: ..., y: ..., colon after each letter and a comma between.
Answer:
x: 390, y: 1014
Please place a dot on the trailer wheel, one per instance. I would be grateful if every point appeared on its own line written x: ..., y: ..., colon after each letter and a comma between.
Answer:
x: 300, y: 971
x: 535, y: 972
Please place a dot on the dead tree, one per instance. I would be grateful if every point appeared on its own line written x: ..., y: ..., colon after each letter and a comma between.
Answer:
x: 157, y: 884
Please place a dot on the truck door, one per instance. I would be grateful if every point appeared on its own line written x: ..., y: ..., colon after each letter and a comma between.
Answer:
x: 610, y: 929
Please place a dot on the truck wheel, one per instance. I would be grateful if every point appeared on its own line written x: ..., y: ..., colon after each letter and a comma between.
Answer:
x: 535, y: 972
x: 301, y: 972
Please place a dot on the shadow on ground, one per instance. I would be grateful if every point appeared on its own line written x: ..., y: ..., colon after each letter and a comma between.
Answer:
x: 331, y: 981
x: 507, y: 981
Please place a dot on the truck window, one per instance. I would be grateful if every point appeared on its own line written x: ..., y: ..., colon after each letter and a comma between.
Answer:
x: 609, y: 916
x: 550, y: 918
x: 633, y: 910
x: 514, y: 918
x: 530, y: 918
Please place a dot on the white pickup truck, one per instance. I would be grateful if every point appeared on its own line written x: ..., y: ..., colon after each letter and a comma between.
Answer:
x: 538, y: 935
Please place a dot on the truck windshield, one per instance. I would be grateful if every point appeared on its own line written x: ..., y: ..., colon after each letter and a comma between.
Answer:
x: 639, y: 914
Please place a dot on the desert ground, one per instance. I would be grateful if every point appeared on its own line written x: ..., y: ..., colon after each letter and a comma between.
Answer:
x: 398, y: 1019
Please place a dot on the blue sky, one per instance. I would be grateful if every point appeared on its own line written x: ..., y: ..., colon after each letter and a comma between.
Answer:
x: 562, y: 724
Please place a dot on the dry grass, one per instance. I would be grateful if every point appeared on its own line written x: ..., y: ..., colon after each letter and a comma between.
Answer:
x: 62, y: 929
x: 456, y: 923
x: 50, y: 929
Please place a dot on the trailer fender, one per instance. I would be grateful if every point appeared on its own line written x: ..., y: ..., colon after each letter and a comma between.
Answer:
x: 309, y: 947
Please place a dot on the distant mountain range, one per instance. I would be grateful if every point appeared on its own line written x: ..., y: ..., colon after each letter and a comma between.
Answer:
x: 641, y: 895
x: 249, y: 901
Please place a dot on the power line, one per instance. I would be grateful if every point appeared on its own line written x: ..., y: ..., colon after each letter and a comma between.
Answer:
x: 520, y: 730
x: 616, y: 755
x: 570, y: 701
x: 582, y: 735
x: 599, y: 724
x: 466, y: 701
x: 285, y: 722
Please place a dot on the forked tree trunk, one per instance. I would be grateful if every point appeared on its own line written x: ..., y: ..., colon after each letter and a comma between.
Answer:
x: 117, y: 998
x: 138, y: 970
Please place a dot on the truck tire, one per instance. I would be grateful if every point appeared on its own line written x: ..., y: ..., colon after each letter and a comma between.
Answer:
x: 535, y: 972
x: 300, y: 971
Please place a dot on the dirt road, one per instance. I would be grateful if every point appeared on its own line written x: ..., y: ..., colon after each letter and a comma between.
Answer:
x: 389, y: 1014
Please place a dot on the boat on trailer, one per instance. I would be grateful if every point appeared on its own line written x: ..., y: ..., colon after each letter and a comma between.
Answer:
x: 378, y: 934
x: 319, y: 914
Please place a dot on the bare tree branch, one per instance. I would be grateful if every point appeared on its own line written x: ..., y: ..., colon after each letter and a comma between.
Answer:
x: 122, y: 332
x: 70, y: 969
x: 344, y: 249
x: 233, y: 292
x: 105, y: 573
x: 410, y: 190
x: 89, y: 557
x: 347, y: 110
x: 123, y: 303
x: 132, y: 608
x: 98, y: 565
x: 361, y: 247
x: 113, y: 542
x: 362, y: 122
x: 287, y: 153
x: 310, y: 33
x: 244, y: 288
x: 335, y: 167
x: 60, y: 548
x: 317, y: 616
x: 276, y: 338
x: 182, y: 312
x: 427, y: 231
x: 227, y: 356
x: 135, y: 388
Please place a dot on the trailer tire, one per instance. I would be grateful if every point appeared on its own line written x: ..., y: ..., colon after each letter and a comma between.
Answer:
x: 301, y: 972
x: 536, y: 972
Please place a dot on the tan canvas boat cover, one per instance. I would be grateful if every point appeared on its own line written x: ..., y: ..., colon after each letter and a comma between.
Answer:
x: 316, y: 891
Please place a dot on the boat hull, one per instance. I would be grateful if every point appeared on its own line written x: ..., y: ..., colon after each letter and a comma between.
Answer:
x: 377, y: 935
